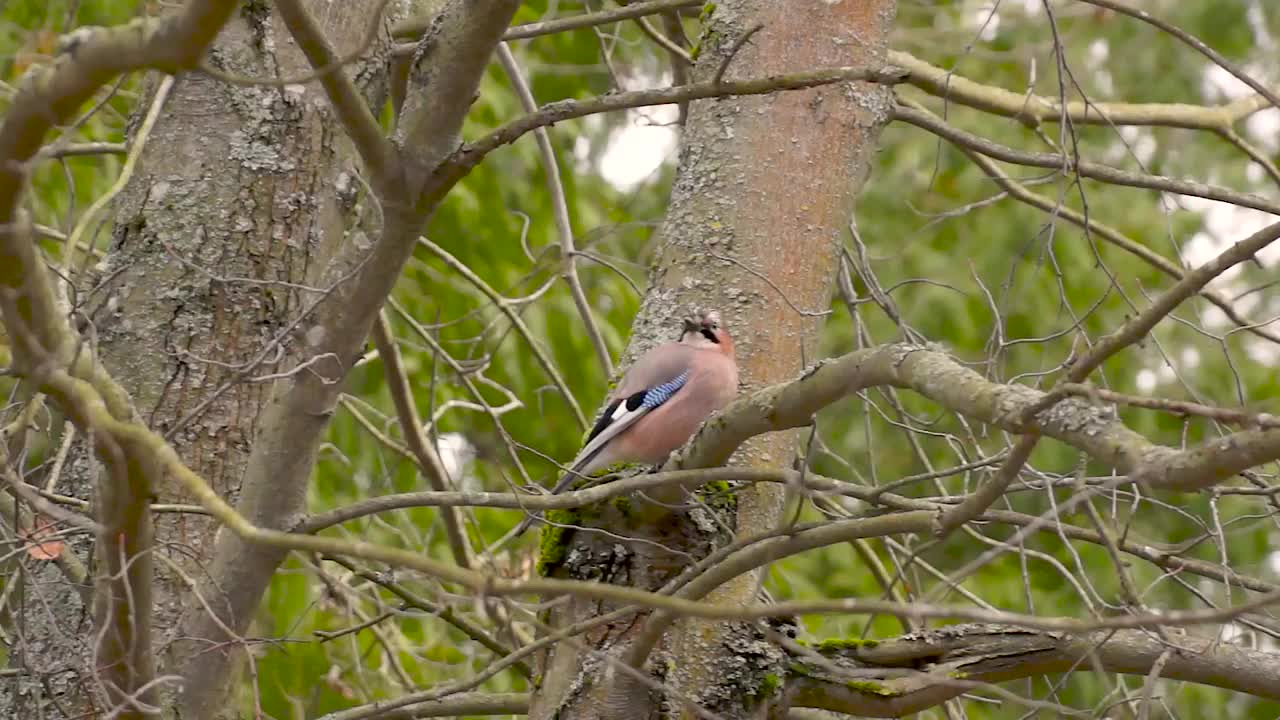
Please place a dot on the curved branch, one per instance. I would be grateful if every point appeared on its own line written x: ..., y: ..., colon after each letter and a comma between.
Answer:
x: 1084, y: 168
x: 470, y: 155
x: 935, y: 375
x: 1191, y: 41
x: 1107, y: 233
x: 960, y: 658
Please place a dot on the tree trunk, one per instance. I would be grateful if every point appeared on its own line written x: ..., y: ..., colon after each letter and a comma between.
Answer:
x: 761, y: 202
x: 238, y: 202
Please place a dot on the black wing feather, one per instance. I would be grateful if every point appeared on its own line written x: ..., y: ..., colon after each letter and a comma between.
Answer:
x: 606, y: 418
x: 603, y: 421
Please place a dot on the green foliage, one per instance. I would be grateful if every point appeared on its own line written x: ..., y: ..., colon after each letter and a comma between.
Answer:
x: 1011, y: 290
x: 30, y: 32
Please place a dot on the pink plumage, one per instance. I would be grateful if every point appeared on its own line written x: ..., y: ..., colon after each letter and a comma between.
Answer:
x: 663, y: 400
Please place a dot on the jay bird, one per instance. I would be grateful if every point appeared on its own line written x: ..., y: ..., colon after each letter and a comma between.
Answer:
x: 662, y: 400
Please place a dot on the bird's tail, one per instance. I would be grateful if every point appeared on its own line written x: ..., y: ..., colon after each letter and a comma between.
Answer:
x: 574, y: 474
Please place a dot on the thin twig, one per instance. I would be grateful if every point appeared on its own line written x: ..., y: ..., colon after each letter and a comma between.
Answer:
x: 336, y: 65
x: 738, y: 44
x: 559, y: 210
x: 1107, y: 233
x: 504, y: 305
x: 424, y: 453
x: 1141, y: 325
x: 413, y: 28
x: 1191, y: 41
x: 1096, y: 171
x: 469, y: 156
x: 83, y: 149
x: 1178, y: 407
x: 76, y: 237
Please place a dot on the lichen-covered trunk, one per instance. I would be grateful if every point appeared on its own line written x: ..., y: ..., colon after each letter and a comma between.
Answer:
x: 762, y: 199
x: 237, y: 202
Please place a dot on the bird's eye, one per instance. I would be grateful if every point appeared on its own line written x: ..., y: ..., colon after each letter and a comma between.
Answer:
x: 706, y: 333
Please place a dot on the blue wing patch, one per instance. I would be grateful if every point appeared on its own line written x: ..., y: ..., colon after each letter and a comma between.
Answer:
x: 616, y: 418
x: 647, y: 400
x: 651, y: 398
x: 659, y: 394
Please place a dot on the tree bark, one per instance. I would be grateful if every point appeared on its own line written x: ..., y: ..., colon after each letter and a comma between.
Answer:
x: 441, y: 85
x: 761, y: 202
x: 238, y: 201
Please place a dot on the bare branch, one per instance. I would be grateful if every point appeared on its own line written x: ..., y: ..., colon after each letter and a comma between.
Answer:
x: 378, y: 154
x: 410, y: 29
x: 1084, y: 168
x: 424, y: 453
x: 82, y: 149
x: 1178, y: 407
x: 960, y: 658
x: 462, y: 704
x: 1035, y: 109
x: 1193, y: 42
x: 559, y: 208
x: 1075, y: 422
x: 470, y: 155
x: 1106, y: 233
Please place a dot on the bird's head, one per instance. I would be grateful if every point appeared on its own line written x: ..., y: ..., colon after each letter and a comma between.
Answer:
x: 704, y: 330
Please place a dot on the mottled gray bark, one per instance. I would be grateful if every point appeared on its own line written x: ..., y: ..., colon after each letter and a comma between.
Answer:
x: 441, y: 85
x: 761, y: 201
x: 239, y: 199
